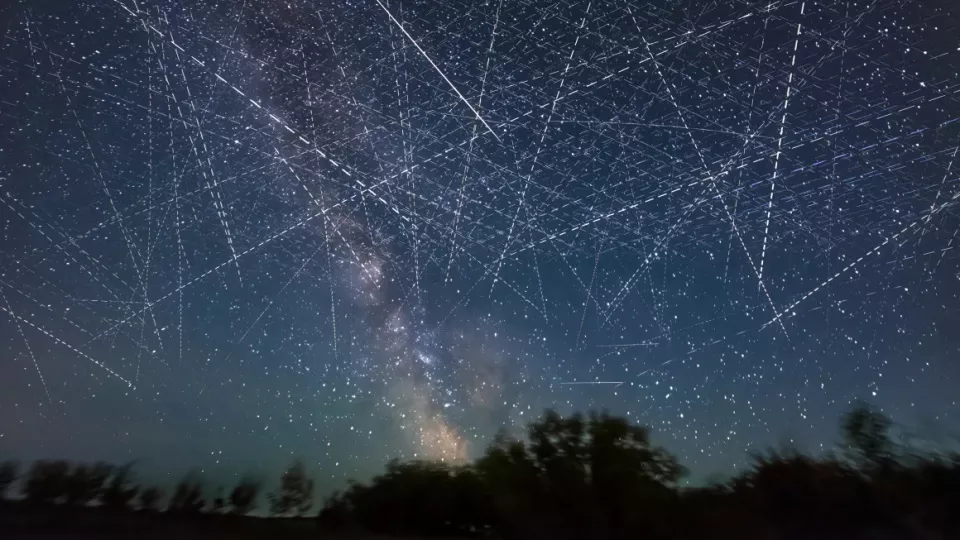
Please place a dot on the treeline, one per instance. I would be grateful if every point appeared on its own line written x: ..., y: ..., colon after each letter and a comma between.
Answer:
x: 600, y: 477
x: 58, y: 482
x: 593, y: 476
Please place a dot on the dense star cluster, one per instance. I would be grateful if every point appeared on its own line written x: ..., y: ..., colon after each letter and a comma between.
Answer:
x: 236, y: 231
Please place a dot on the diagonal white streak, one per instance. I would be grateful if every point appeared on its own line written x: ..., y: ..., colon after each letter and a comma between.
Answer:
x: 437, y: 68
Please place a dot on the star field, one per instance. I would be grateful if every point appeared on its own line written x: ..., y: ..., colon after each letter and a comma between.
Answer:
x: 236, y: 232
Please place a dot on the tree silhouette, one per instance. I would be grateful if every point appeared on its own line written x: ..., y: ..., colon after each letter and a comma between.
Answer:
x: 8, y: 475
x: 626, y: 469
x: 866, y: 434
x: 85, y: 483
x: 793, y: 492
x: 149, y: 500
x: 119, y: 493
x: 46, y: 481
x: 335, y: 513
x: 296, y: 492
x: 578, y: 476
x: 243, y: 497
x: 600, y: 476
x: 512, y: 480
x: 575, y: 478
x: 218, y: 503
x: 187, y: 498
x: 420, y: 497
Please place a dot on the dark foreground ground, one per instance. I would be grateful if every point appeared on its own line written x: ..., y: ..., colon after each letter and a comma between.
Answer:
x: 19, y: 521
x: 25, y: 522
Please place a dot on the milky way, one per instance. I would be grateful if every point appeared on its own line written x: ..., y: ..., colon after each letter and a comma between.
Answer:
x: 234, y: 232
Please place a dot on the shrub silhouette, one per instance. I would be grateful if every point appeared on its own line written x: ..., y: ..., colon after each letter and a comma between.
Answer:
x: 8, y: 475
x: 46, y: 481
x: 296, y: 492
x: 797, y: 493
x: 85, y: 483
x: 419, y: 497
x: 119, y: 493
x: 335, y: 513
x: 149, y: 499
x: 243, y: 497
x: 187, y: 498
x: 218, y: 503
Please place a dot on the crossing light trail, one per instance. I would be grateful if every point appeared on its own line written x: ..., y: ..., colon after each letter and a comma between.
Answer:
x: 261, y: 213
x: 437, y: 68
x: 614, y: 383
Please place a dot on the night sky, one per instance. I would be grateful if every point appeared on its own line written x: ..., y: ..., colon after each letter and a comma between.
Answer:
x: 233, y: 232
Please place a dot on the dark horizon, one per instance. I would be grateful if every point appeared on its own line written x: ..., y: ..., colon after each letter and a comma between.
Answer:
x: 907, y: 447
x: 570, y: 477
